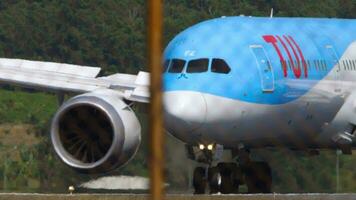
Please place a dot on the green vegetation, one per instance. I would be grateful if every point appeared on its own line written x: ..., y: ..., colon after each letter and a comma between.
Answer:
x: 22, y: 107
x: 111, y: 34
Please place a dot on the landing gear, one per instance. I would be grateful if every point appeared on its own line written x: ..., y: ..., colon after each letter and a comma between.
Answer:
x: 199, y: 180
x: 227, y: 177
x: 214, y: 179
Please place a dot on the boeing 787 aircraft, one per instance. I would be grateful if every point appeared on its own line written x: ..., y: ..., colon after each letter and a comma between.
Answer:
x: 231, y: 85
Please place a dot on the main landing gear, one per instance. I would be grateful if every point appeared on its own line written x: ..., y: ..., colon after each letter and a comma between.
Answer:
x: 227, y: 177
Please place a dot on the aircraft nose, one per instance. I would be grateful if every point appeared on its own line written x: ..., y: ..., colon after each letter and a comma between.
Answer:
x: 184, y: 111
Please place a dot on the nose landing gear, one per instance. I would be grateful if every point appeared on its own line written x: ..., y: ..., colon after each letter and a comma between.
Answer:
x: 199, y: 180
x: 227, y: 177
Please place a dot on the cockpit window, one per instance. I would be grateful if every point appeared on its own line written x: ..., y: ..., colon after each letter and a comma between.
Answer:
x: 220, y: 66
x: 177, y: 66
x: 166, y: 65
x: 198, y: 66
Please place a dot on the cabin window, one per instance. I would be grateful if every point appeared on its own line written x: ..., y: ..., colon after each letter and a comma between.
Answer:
x: 297, y: 63
x: 347, y: 65
x: 316, y: 65
x: 220, y: 66
x: 166, y: 65
x: 283, y: 63
x: 351, y: 66
x: 198, y: 66
x: 309, y: 65
x: 177, y: 66
x: 304, y: 64
x: 325, y: 66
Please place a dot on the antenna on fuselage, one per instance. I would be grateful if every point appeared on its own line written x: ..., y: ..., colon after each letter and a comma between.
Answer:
x: 272, y: 12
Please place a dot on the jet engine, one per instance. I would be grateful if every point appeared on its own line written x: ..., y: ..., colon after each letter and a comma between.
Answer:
x: 95, y: 132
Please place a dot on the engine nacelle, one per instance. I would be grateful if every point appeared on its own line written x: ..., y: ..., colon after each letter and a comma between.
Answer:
x: 95, y: 132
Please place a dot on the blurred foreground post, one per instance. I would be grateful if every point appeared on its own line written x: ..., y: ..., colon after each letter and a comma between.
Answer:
x: 156, y: 124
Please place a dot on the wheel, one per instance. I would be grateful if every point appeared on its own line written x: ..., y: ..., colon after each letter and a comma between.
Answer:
x: 199, y: 180
x: 258, y: 177
x: 227, y: 178
x: 237, y: 178
x: 214, y: 179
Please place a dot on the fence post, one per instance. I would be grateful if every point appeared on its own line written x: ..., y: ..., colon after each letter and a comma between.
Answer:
x: 156, y: 125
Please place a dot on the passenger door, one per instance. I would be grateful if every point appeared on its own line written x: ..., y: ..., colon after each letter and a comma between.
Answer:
x: 264, y: 67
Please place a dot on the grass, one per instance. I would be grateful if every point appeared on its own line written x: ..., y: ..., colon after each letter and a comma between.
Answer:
x: 26, y: 107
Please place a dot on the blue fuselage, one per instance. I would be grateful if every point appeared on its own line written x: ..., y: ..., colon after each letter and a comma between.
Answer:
x: 269, y: 63
x: 231, y: 38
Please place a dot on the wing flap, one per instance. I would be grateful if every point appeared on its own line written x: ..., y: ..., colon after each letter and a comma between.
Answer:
x: 135, y: 87
x: 139, y: 94
x: 71, y: 78
x: 50, y: 81
x: 59, y: 68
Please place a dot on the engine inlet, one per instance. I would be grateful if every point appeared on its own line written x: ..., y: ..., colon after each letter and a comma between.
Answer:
x: 86, y: 133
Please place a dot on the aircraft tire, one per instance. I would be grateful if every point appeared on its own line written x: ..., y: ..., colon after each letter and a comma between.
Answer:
x: 237, y: 178
x: 214, y: 178
x: 199, y: 180
x: 227, y: 178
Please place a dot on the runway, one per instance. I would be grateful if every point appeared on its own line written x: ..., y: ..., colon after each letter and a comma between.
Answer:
x: 28, y: 196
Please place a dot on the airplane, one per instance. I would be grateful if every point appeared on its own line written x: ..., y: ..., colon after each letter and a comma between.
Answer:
x: 231, y: 85
x: 246, y: 83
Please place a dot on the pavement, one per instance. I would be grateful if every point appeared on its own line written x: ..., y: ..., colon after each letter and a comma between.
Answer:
x: 31, y: 196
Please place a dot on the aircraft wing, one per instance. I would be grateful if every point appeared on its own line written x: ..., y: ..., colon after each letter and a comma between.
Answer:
x: 71, y: 78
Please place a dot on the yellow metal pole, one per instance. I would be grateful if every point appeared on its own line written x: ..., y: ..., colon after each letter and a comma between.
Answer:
x: 156, y: 125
